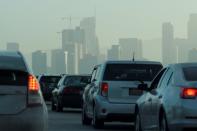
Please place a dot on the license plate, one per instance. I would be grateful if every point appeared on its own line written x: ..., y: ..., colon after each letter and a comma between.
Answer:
x: 135, y: 92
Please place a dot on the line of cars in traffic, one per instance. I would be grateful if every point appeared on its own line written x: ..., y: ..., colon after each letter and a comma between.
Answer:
x: 144, y: 92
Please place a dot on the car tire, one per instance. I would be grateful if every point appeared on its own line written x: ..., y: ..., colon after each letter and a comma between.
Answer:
x: 85, y: 119
x: 53, y: 107
x: 97, y: 123
x: 163, y: 126
x: 59, y: 107
x: 138, y: 123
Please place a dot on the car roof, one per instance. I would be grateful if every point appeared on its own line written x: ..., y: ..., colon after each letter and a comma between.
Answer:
x: 182, y: 65
x: 10, y: 54
x: 132, y: 62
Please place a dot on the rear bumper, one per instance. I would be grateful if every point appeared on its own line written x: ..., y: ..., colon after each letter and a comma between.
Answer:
x: 72, y: 101
x: 115, y: 111
x: 47, y: 96
x: 31, y: 119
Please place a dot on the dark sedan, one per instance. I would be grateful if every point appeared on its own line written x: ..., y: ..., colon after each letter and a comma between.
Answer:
x: 69, y: 92
x: 48, y: 83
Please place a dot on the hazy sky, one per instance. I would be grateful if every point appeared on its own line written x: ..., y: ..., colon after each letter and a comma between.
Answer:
x: 35, y: 23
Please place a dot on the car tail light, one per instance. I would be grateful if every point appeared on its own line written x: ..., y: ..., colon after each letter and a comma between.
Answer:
x: 189, y: 93
x: 34, y: 97
x: 33, y: 85
x: 104, y: 89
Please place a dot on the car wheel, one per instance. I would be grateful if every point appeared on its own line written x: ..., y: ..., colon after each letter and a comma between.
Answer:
x: 163, y: 123
x: 85, y: 119
x: 97, y: 123
x: 138, y: 123
x: 59, y: 107
x: 52, y: 105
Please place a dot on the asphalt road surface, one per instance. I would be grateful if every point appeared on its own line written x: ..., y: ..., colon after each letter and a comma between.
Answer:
x: 70, y: 120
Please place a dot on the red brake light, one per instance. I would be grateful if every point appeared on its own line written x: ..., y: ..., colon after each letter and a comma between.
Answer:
x: 104, y: 89
x: 189, y: 93
x: 33, y: 84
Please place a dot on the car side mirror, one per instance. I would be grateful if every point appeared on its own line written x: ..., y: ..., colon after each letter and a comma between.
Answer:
x: 143, y: 87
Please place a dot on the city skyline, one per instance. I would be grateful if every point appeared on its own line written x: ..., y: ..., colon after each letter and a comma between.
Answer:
x: 78, y: 58
x: 42, y: 19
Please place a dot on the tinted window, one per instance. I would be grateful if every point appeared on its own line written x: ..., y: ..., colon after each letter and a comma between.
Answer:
x: 190, y: 73
x: 157, y: 79
x: 76, y: 80
x: 16, y: 63
x: 13, y: 77
x: 131, y: 72
x: 166, y: 78
x: 50, y: 79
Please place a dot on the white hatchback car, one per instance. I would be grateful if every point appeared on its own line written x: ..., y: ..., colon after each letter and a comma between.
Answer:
x: 21, y: 103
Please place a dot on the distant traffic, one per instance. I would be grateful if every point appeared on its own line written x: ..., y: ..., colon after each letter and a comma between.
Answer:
x: 145, y: 93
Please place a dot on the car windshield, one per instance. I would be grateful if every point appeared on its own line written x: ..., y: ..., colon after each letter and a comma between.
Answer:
x: 131, y: 72
x: 77, y: 80
x: 190, y: 73
x: 50, y: 79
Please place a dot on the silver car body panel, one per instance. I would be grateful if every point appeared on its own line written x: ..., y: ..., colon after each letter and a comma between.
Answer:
x: 180, y: 113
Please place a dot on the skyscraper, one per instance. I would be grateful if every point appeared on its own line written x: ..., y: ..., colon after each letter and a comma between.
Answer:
x: 183, y: 49
x: 169, y: 52
x: 192, y: 29
x: 39, y: 62
x: 114, y: 53
x: 192, y: 55
x: 129, y: 48
x: 74, y: 36
x: 87, y: 64
x: 12, y: 46
x: 58, y: 61
x: 92, y: 43
x: 73, y: 58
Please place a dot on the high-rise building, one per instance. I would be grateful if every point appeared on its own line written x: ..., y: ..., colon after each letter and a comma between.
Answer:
x: 182, y: 49
x: 169, y: 51
x: 39, y: 62
x: 114, y: 53
x: 58, y: 61
x: 87, y: 64
x: 74, y: 36
x: 192, y: 29
x: 129, y: 48
x: 192, y: 55
x: 92, y: 43
x: 73, y: 58
x: 12, y: 46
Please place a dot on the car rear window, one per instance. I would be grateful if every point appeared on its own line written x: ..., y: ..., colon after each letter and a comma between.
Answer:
x: 190, y: 73
x: 13, y: 77
x: 50, y: 79
x: 131, y: 72
x: 77, y: 80
x: 15, y: 63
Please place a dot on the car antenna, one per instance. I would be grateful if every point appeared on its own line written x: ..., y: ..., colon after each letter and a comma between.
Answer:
x: 133, y: 56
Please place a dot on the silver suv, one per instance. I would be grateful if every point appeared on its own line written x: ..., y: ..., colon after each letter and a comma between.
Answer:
x: 22, y: 107
x: 112, y: 92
